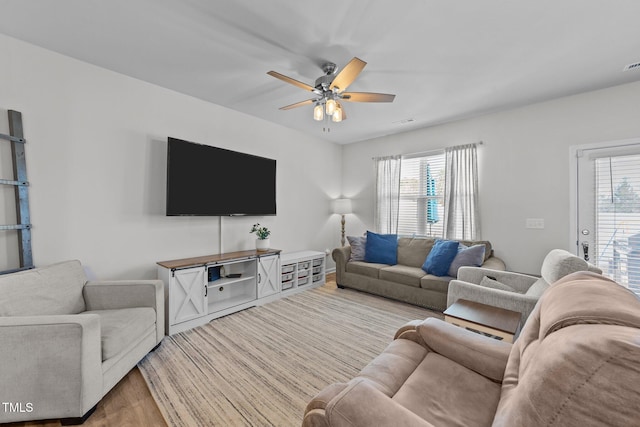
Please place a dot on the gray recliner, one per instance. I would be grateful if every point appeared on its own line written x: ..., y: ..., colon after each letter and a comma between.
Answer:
x: 66, y: 341
x: 514, y: 291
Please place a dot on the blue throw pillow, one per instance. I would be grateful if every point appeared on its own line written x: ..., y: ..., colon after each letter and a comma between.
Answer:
x: 440, y: 258
x: 381, y: 248
x: 467, y: 256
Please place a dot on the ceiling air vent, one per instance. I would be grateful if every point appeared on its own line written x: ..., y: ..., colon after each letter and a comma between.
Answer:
x: 635, y: 66
x: 404, y: 121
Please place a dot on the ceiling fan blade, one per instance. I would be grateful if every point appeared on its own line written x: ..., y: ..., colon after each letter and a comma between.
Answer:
x: 348, y: 74
x: 291, y: 81
x: 367, y: 97
x: 298, y: 104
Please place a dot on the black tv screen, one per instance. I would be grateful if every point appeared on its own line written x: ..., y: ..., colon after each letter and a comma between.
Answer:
x: 211, y: 181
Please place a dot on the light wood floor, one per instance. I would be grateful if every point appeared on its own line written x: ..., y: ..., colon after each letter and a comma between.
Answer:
x: 129, y: 403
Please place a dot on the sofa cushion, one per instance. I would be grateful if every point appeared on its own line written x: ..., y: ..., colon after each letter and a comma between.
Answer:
x: 430, y: 393
x: 435, y: 283
x: 381, y: 248
x: 369, y: 269
x: 403, y: 274
x: 123, y: 327
x: 358, y: 245
x: 467, y: 257
x: 55, y: 289
x: 439, y: 259
x: 413, y: 251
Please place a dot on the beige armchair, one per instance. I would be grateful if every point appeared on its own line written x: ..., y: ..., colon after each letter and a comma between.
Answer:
x: 514, y: 291
x: 66, y: 341
x: 576, y: 364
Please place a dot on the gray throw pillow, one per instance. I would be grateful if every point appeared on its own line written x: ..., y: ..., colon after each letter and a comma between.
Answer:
x: 492, y: 283
x: 467, y: 256
x: 358, y: 245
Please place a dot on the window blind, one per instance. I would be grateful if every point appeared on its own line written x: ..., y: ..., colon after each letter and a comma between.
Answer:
x: 617, y: 216
x: 421, y: 204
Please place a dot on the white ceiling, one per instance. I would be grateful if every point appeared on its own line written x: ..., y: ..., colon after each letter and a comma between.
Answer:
x: 444, y: 60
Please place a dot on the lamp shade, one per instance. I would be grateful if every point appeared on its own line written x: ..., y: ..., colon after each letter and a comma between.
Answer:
x: 330, y: 107
x: 342, y: 206
x: 318, y: 114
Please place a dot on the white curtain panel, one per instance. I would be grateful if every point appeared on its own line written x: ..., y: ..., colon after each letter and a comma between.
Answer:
x: 461, y: 219
x: 387, y: 193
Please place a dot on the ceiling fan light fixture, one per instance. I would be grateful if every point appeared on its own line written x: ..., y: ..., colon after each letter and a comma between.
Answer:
x: 330, y: 106
x: 318, y: 113
x: 337, y: 115
x: 330, y: 91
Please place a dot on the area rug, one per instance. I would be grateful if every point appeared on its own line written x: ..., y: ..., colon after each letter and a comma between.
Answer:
x: 261, y: 366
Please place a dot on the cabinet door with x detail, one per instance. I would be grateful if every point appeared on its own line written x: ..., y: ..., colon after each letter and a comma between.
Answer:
x: 268, y: 283
x: 188, y: 295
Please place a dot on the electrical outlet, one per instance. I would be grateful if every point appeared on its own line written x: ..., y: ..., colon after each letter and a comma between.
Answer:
x: 537, y: 223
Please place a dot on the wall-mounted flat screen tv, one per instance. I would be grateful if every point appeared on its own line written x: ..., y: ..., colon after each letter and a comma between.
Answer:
x: 209, y: 181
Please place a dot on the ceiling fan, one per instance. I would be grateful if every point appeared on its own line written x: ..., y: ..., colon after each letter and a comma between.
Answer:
x: 330, y: 90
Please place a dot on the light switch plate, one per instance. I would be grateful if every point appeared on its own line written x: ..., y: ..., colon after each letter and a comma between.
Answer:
x: 537, y: 223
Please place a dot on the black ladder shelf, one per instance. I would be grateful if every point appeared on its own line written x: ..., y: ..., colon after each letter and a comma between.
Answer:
x: 16, y: 138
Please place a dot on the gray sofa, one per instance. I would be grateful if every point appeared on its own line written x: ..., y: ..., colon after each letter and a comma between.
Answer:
x: 65, y: 341
x: 576, y: 363
x: 405, y: 281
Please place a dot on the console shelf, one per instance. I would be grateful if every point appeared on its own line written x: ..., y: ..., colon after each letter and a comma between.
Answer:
x: 300, y: 270
x: 200, y: 289
x: 230, y: 293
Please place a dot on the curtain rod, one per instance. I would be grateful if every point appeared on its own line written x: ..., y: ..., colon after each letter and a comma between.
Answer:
x: 425, y: 153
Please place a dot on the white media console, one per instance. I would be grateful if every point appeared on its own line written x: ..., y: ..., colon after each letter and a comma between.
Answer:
x: 200, y: 289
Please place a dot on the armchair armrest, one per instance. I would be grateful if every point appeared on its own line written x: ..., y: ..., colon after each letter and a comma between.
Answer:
x: 361, y: 404
x: 409, y: 331
x: 325, y: 396
x: 409, y: 326
x: 520, y: 282
x: 114, y: 294
x: 53, y: 362
x: 481, y: 354
x: 514, y: 301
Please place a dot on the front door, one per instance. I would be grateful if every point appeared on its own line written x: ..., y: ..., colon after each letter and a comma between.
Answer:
x: 608, y: 209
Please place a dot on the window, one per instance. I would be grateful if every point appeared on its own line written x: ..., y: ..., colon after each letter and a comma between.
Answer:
x: 432, y: 195
x: 617, y: 231
x: 421, y: 205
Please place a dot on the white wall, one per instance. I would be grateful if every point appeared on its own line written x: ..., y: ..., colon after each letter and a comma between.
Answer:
x: 96, y: 152
x: 523, y: 166
x: 96, y: 148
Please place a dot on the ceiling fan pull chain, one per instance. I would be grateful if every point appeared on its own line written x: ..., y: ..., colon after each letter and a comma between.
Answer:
x: 327, y: 124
